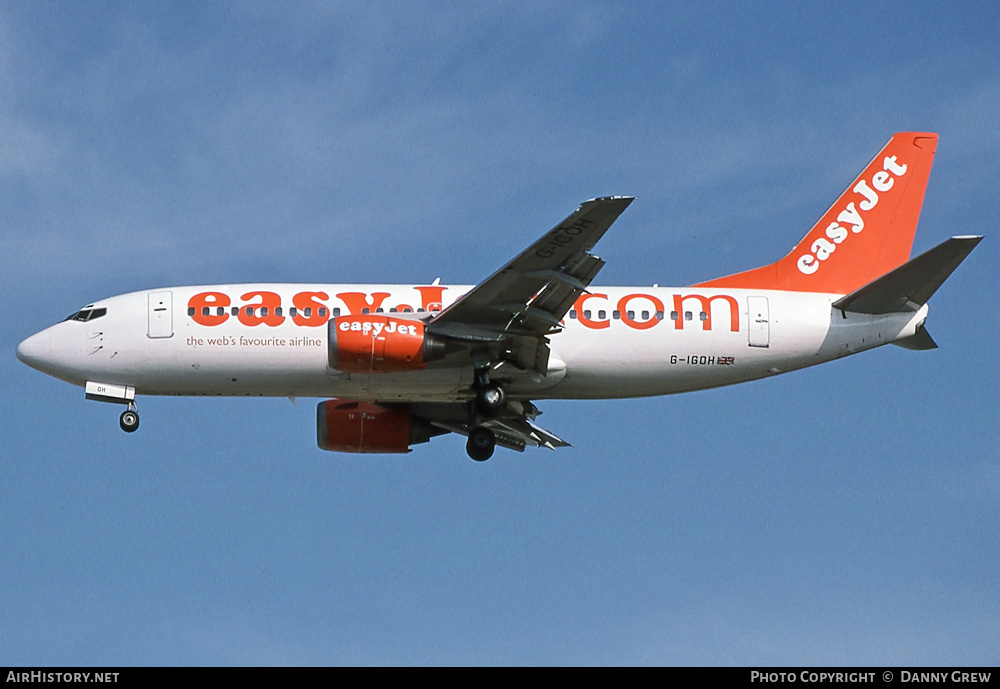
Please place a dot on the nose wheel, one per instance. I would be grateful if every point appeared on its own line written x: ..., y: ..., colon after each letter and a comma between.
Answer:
x: 129, y: 420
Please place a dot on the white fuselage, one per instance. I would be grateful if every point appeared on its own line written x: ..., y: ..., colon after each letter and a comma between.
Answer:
x: 271, y: 340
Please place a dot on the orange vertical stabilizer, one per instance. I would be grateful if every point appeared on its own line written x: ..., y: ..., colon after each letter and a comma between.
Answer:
x: 865, y: 234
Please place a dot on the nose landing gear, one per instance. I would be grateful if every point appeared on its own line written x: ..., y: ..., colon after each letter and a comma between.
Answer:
x: 129, y: 420
x: 116, y: 394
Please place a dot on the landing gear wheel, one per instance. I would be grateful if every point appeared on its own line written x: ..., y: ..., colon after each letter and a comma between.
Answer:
x: 490, y: 400
x: 481, y: 443
x: 129, y: 420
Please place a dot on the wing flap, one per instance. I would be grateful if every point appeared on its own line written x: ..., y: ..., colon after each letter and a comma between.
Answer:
x: 515, y: 431
x: 526, y: 432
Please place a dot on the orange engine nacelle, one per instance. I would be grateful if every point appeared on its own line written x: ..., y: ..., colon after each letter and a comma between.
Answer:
x: 347, y: 426
x: 380, y: 344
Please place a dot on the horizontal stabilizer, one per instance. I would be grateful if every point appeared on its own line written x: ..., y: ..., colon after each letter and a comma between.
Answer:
x: 912, y: 284
x: 920, y: 342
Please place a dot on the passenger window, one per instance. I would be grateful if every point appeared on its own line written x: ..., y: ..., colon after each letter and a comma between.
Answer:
x: 586, y: 314
x: 307, y: 312
x: 204, y: 311
x: 659, y: 315
x: 645, y: 315
x: 190, y: 311
x: 703, y: 316
x: 336, y: 312
x: 631, y: 315
x: 572, y: 315
x: 322, y: 311
x: 292, y: 311
x: 673, y: 315
x: 688, y: 315
x: 602, y: 314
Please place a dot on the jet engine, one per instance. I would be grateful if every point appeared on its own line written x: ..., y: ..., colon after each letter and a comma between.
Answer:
x: 380, y: 344
x: 349, y: 426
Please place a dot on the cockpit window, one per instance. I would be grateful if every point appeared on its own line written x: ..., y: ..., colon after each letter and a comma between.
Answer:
x: 87, y: 314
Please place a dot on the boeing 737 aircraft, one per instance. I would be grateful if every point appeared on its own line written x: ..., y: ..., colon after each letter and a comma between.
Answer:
x: 404, y: 363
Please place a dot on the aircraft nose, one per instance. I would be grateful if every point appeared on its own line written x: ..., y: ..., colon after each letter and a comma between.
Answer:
x: 36, y: 350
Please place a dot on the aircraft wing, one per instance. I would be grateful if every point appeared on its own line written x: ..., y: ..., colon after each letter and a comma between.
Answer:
x: 531, y: 294
x: 508, y: 317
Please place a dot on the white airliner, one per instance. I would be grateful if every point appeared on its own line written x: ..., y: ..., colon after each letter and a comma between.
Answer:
x: 403, y: 363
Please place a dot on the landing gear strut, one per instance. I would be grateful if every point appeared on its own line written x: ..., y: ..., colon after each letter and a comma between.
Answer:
x: 129, y: 420
x: 490, y: 401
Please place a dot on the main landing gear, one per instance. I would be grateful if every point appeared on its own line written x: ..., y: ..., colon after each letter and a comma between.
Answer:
x: 481, y: 443
x: 129, y: 420
x: 490, y: 401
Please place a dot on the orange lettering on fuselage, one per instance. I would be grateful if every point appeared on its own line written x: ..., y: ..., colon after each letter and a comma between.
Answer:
x: 357, y: 302
x: 628, y: 320
x: 581, y: 314
x: 309, y: 311
x: 310, y: 308
x: 430, y: 297
x: 706, y: 308
x: 625, y: 311
x: 203, y: 304
x: 263, y: 312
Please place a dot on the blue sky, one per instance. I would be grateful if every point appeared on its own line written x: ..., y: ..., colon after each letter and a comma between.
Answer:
x: 845, y: 514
